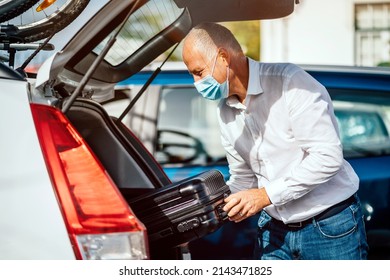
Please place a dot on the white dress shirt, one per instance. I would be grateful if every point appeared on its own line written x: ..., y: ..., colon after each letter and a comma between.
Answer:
x: 285, y: 138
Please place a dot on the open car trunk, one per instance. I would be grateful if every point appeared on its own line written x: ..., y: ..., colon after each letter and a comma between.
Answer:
x: 174, y: 214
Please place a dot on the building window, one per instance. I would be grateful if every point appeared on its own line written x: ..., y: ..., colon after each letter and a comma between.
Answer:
x: 372, y: 30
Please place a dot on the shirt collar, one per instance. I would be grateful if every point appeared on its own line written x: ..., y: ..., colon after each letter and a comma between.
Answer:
x: 254, y: 86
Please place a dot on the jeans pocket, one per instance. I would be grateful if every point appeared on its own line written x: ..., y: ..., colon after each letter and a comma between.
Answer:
x: 341, y: 224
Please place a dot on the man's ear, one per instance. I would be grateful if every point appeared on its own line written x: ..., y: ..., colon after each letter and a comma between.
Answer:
x: 224, y: 54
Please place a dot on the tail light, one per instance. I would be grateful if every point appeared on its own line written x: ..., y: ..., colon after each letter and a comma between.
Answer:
x: 99, y: 221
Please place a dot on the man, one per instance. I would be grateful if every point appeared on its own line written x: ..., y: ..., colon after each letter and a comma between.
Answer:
x: 283, y: 148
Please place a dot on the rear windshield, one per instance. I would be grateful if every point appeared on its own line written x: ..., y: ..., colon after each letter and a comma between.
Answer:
x: 142, y: 25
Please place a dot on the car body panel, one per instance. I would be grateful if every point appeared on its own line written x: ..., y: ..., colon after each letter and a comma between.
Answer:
x: 28, y: 229
x: 236, y: 10
x: 362, y: 78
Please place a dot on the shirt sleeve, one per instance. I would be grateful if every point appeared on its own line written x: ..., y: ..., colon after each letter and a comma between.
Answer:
x: 314, y: 127
x: 241, y: 176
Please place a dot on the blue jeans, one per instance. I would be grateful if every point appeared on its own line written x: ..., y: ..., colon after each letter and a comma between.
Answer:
x: 339, y: 237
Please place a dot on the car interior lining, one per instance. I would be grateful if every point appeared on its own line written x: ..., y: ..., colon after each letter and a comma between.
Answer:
x: 128, y: 163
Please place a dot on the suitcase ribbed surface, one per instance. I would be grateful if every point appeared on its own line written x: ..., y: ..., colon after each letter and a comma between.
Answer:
x: 212, y: 180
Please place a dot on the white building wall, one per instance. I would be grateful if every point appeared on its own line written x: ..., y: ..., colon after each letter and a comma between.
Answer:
x: 318, y: 32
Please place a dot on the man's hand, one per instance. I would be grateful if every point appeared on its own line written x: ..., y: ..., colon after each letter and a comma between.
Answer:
x: 244, y: 204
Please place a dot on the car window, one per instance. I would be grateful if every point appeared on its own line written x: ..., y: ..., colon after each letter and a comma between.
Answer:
x: 364, y: 121
x: 142, y: 25
x: 188, y: 127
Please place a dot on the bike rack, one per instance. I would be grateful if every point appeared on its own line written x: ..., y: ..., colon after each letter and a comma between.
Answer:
x: 10, y: 43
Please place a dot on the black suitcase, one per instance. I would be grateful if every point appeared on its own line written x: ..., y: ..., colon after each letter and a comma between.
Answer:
x: 183, y: 211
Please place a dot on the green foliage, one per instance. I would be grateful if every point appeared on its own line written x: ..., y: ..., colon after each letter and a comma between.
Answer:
x: 384, y: 64
x: 248, y: 35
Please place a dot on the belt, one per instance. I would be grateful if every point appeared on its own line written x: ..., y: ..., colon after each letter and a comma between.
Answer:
x: 333, y: 210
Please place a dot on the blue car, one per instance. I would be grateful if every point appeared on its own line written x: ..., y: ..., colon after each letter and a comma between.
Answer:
x: 180, y: 129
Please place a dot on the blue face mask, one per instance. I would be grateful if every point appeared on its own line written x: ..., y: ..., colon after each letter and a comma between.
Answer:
x: 209, y: 87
